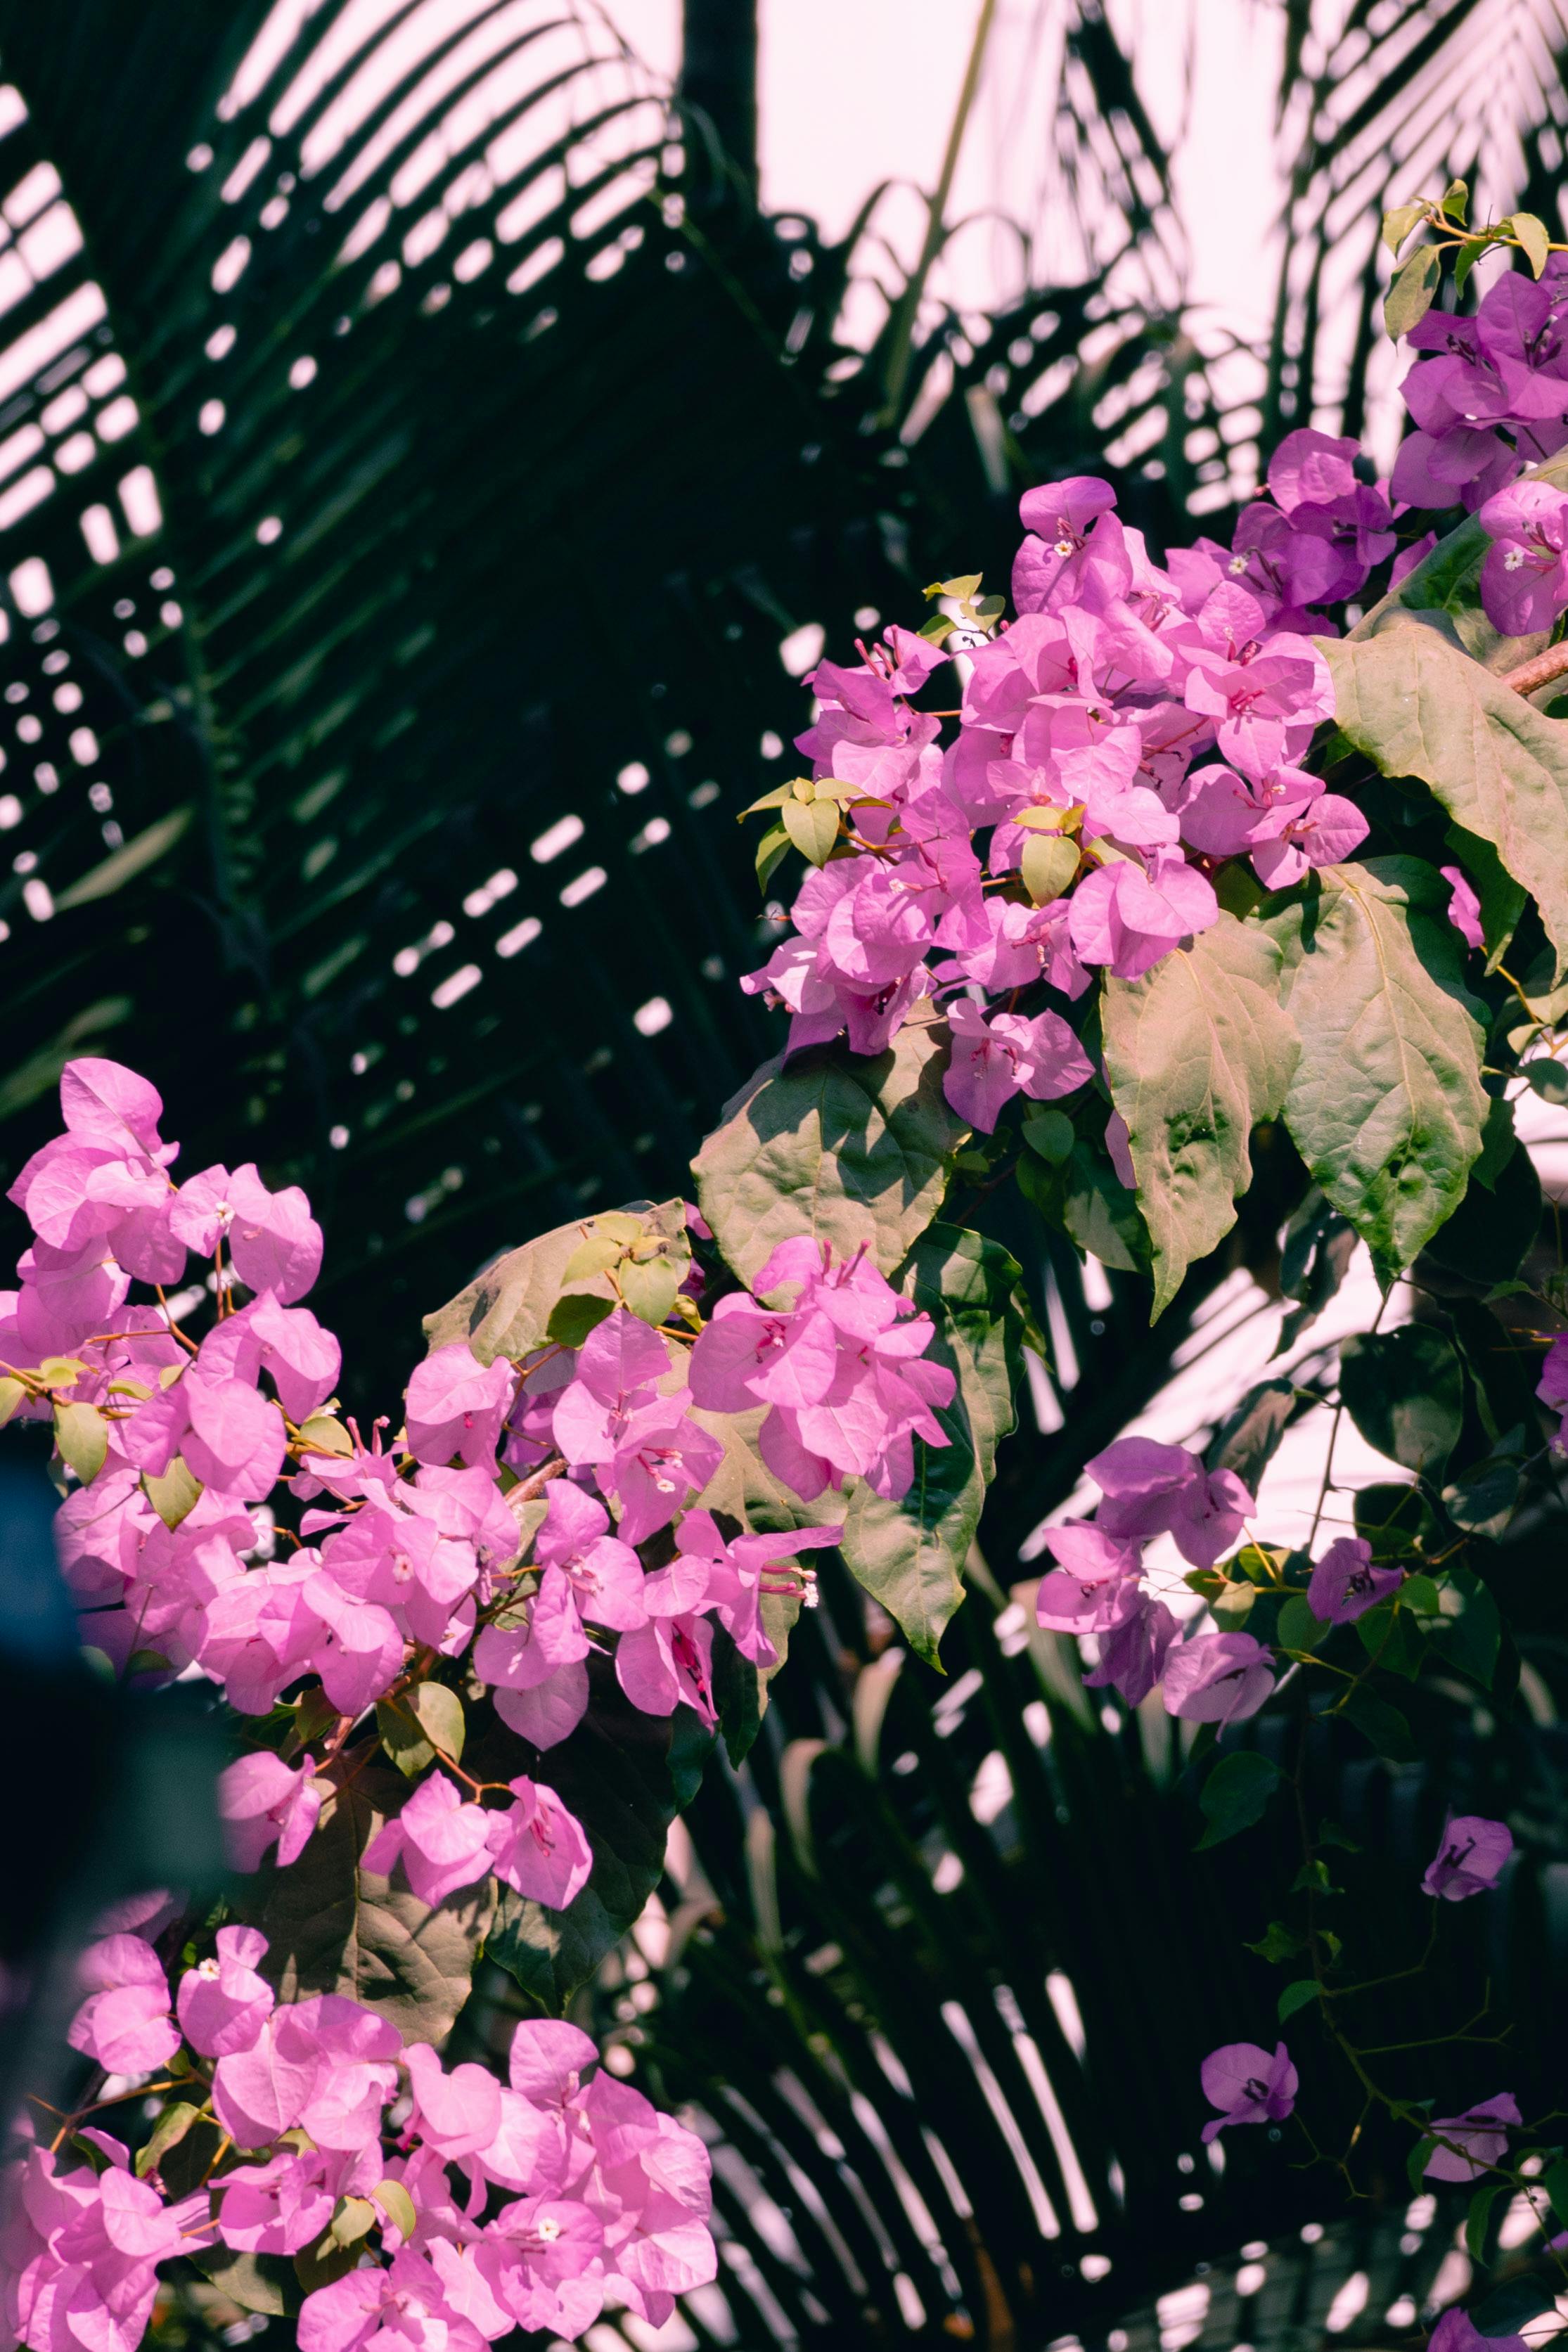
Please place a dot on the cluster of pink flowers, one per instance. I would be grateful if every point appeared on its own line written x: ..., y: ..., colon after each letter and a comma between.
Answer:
x: 1097, y: 1587
x: 575, y: 2192
x: 409, y: 1555
x: 1133, y: 728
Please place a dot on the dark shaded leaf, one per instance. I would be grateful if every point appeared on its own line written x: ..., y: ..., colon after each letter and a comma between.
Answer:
x: 1405, y: 1394
x: 1236, y: 1795
x: 334, y: 1927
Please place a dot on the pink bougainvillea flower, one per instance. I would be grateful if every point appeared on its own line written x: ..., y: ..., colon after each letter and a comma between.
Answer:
x: 1524, y: 578
x: 740, y: 1572
x: 993, y: 1060
x: 1134, y: 1641
x: 1128, y: 918
x: 1218, y: 1678
x: 125, y: 2023
x: 455, y: 1405
x: 1464, y: 907
x: 1345, y: 1584
x: 1470, y: 1859
x: 1552, y: 1386
x: 539, y: 1847
x: 274, y: 1243
x: 263, y: 1801
x: 456, y: 2111
x: 441, y: 1840
x: 403, y: 2308
x: 1478, y: 2140
x: 1248, y: 2086
x: 222, y: 2003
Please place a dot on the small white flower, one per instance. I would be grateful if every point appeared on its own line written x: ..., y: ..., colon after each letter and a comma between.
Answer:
x: 1513, y: 559
x: 1237, y: 565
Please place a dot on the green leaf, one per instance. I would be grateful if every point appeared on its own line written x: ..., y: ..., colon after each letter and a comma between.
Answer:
x: 1413, y: 291
x: 12, y: 1393
x: 1491, y: 1231
x: 1511, y: 2307
x: 1298, y: 1628
x: 1479, y: 2216
x: 334, y: 1927
x: 1049, y: 1132
x: 419, y: 1725
x: 1406, y: 1393
x: 1318, y: 1247
x: 1236, y: 1795
x: 1416, y: 705
x: 507, y: 1309
x: 82, y: 1439
x: 1535, y: 239
x: 355, y: 2219
x: 624, y: 1774
x: 1198, y: 1052
x: 909, y: 1554
x: 1470, y: 1636
x: 650, y: 1286
x: 266, y: 2282
x: 1247, y: 1438
x: 1482, y: 1500
x: 1085, y: 1198
x: 572, y: 1319
x: 397, y: 2205
x: 1549, y: 1079
x: 324, y: 2261
x: 1466, y: 258
x: 1397, y: 1520
x: 1048, y: 864
x: 1455, y: 201
x: 1397, y: 223
x: 1390, y: 1636
x: 598, y: 1253
x: 168, y: 2132
x: 813, y: 827
x: 1554, y: 2180
x: 1382, y: 1724
x: 1386, y: 1105
x: 829, y: 1143
x: 175, y: 1495
x: 771, y: 850
x: 1297, y: 1996
x: 1279, y: 1944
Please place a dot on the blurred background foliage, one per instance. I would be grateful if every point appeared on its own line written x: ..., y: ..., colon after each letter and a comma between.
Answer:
x: 424, y: 474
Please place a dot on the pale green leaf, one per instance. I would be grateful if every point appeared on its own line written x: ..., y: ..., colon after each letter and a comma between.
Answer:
x: 1397, y: 223
x: 846, y: 1149
x: 1049, y: 864
x: 506, y: 1310
x: 175, y: 1495
x: 1534, y: 238
x: 1416, y: 705
x: 1386, y: 1106
x: 1414, y: 290
x: 1198, y: 1052
x: 813, y: 827
x: 81, y: 1438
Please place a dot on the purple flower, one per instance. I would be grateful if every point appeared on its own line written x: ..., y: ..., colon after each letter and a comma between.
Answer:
x: 1481, y: 2133
x: 1218, y: 1678
x: 1345, y: 1584
x: 1134, y: 1643
x: 1524, y: 579
x: 1151, y: 1489
x: 1470, y: 1858
x: 1552, y: 1386
x: 1128, y: 918
x: 1247, y: 2086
